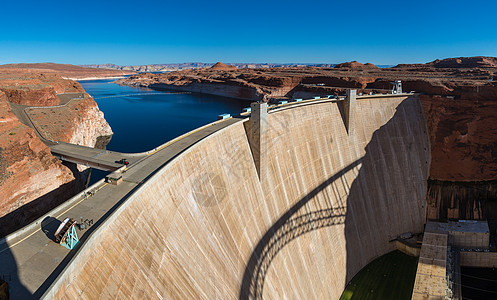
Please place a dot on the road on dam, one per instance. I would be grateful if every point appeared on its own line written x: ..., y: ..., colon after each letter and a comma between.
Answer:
x: 212, y: 204
x: 30, y: 258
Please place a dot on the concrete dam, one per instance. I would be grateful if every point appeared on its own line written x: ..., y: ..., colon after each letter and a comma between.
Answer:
x: 297, y: 218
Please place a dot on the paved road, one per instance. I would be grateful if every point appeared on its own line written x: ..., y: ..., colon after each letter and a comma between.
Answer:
x: 92, y: 157
x: 66, y: 97
x: 31, y: 261
x: 20, y: 112
x: 96, y: 158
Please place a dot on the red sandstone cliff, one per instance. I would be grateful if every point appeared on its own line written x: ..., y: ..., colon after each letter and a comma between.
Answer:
x: 27, y: 168
x: 37, y: 89
x: 32, y: 181
x: 79, y: 122
x: 463, y: 138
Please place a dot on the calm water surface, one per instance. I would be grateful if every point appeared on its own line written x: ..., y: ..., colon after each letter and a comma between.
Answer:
x: 143, y: 119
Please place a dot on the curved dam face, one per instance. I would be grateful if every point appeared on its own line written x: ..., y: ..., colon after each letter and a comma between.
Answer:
x: 205, y: 226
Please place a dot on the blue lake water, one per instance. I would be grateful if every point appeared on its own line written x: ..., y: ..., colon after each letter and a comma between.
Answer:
x: 143, y: 119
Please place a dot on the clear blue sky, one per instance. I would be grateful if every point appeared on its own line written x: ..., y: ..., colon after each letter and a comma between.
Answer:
x: 145, y: 32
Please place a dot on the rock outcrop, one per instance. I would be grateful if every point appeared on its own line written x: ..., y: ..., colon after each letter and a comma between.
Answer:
x: 458, y: 62
x: 355, y: 65
x: 463, y: 138
x: 220, y: 66
x: 35, y: 89
x: 79, y: 122
x: 32, y: 181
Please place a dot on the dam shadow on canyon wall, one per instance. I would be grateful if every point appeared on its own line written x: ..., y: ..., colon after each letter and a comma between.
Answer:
x: 206, y: 226
x: 368, y: 205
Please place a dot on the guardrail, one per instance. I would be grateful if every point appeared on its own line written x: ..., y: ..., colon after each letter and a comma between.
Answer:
x: 56, y: 212
x: 297, y: 102
x: 152, y: 151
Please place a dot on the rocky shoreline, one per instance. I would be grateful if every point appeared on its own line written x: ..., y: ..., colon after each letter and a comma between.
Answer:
x: 456, y: 79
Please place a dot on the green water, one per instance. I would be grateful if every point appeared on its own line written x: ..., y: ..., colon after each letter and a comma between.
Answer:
x: 390, y: 276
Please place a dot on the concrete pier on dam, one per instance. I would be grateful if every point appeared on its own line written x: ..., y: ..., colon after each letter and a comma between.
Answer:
x: 288, y: 204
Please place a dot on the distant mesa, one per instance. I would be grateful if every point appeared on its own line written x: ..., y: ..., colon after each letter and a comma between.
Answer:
x: 466, y: 62
x: 475, y: 62
x: 223, y: 67
x: 64, y: 70
x: 355, y: 65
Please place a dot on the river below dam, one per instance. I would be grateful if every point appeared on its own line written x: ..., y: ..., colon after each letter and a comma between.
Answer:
x: 143, y: 119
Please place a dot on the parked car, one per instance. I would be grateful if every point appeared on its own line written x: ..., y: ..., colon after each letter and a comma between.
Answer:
x: 123, y: 161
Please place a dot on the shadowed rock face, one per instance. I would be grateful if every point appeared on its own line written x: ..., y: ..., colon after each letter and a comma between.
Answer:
x: 206, y: 227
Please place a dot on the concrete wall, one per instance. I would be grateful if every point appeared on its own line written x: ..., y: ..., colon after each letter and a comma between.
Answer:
x: 206, y: 227
x: 470, y: 240
x: 431, y: 275
x: 479, y: 259
x: 407, y: 248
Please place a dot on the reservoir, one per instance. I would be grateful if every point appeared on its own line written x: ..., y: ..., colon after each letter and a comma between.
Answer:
x: 143, y: 119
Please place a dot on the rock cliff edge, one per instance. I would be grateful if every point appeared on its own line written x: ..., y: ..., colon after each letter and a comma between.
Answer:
x: 32, y: 181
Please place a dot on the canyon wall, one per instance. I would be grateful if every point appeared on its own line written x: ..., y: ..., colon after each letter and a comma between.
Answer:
x: 32, y: 181
x: 28, y: 171
x: 464, y: 151
x: 205, y: 226
x: 463, y: 138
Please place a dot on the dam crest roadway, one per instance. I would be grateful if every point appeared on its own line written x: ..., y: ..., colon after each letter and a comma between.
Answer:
x: 40, y: 267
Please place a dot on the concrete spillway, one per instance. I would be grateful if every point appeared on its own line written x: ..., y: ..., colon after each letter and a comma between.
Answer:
x: 206, y: 226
